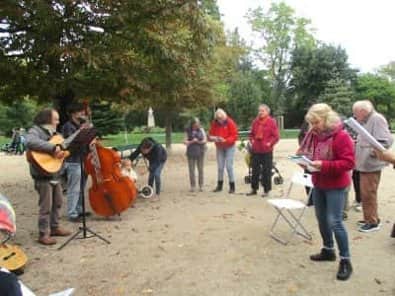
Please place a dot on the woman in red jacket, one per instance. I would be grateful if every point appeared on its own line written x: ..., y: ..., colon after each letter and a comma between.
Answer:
x: 223, y: 132
x: 263, y: 136
x: 331, y: 150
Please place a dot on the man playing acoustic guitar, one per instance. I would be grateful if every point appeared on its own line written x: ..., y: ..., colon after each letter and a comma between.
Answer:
x: 47, y: 185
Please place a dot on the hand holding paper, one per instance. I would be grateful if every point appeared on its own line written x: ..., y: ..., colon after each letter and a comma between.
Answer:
x: 305, y: 162
x: 361, y: 131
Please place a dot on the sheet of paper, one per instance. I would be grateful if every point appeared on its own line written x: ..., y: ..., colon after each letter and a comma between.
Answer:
x: 361, y: 131
x: 304, y: 161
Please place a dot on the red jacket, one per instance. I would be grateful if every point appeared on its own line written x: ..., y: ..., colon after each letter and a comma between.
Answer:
x: 264, y: 135
x: 335, y: 173
x: 227, y: 130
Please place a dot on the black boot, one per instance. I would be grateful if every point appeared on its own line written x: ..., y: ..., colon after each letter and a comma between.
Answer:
x: 325, y: 255
x: 232, y: 187
x: 219, y: 186
x: 252, y: 192
x: 345, y: 270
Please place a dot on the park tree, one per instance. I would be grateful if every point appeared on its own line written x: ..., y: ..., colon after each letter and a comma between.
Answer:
x: 339, y: 95
x: 245, y: 95
x: 180, y: 77
x: 210, y: 7
x: 314, y: 72
x: 379, y: 90
x: 17, y: 114
x: 122, y: 50
x: 107, y: 118
x: 388, y: 71
x: 281, y: 32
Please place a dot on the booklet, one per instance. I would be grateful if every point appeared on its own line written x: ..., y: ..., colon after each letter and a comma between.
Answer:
x: 303, y: 160
x: 361, y: 131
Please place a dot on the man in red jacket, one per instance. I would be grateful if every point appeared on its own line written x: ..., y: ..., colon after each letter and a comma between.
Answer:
x: 263, y: 136
x: 223, y: 132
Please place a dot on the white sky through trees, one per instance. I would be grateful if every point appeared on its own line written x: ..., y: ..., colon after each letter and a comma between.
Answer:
x: 365, y: 28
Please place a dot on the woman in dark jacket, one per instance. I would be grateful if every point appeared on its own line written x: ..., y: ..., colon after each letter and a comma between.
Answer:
x: 157, y: 156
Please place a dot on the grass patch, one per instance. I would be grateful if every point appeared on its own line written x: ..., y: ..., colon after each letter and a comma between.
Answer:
x: 289, y: 133
x: 120, y: 140
x: 4, y: 140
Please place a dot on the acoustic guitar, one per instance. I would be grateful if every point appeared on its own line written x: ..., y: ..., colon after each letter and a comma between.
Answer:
x: 12, y: 258
x: 48, y: 163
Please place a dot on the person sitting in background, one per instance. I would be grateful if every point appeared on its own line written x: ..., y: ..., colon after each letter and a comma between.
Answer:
x: 47, y: 185
x: 127, y: 170
x: 387, y: 156
x: 157, y: 156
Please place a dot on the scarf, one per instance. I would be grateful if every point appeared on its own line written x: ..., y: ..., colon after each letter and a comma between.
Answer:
x: 318, y: 146
x: 260, y: 128
x: 49, y: 128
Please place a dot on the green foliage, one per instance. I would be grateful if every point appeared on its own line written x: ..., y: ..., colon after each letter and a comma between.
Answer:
x: 281, y: 32
x: 244, y: 97
x: 339, y: 95
x: 246, y: 87
x: 4, y: 140
x: 313, y: 69
x: 144, y: 53
x: 18, y: 114
x: 379, y: 90
x: 210, y: 7
x: 106, y: 119
x: 388, y: 71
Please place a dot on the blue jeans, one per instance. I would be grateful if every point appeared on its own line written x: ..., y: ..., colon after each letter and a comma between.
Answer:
x: 154, y: 175
x: 225, y: 157
x: 74, y: 201
x: 329, y: 204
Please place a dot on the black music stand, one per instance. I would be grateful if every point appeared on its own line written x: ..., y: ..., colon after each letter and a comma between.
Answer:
x: 84, y: 137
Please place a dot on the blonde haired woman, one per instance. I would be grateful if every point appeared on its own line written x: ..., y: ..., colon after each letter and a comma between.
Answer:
x: 331, y: 150
x: 223, y: 132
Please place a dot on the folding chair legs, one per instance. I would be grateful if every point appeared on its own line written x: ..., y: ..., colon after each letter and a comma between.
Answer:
x: 294, y: 222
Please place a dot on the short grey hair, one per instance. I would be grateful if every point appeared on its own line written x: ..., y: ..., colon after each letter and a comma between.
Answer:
x: 363, y: 105
x: 220, y: 113
x: 264, y: 106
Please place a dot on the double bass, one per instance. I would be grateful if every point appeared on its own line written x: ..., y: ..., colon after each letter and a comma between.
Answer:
x: 111, y: 193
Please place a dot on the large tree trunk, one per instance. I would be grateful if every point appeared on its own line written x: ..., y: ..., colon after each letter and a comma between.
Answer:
x: 61, y: 103
x: 168, y: 127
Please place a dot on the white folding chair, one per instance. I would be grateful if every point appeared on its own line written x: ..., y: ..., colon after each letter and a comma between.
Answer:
x: 291, y: 209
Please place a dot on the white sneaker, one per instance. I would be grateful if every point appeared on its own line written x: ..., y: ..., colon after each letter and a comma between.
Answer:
x: 357, y: 207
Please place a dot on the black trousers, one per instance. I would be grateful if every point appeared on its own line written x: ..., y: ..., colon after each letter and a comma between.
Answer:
x: 262, y: 164
x: 356, y: 183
